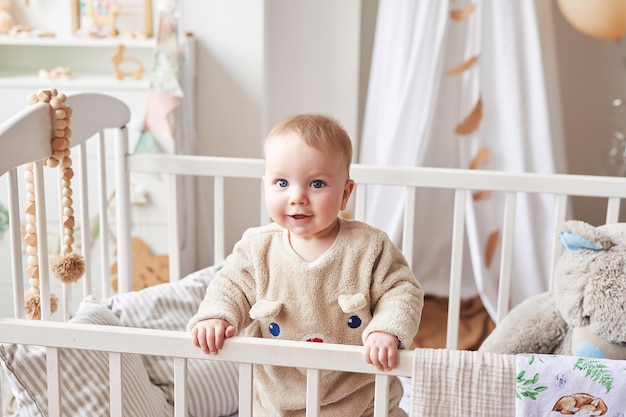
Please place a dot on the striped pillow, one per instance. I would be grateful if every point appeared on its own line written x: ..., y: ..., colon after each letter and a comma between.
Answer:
x: 213, y: 385
x: 85, y: 376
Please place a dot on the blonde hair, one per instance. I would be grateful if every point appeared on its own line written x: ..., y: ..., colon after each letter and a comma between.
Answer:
x: 318, y: 131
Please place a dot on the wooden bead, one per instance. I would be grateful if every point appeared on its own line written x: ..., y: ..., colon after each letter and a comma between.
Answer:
x: 34, y: 281
x: 67, y: 162
x: 30, y: 228
x: 68, y: 173
x: 30, y: 239
x: 58, y: 155
x: 33, y: 272
x: 61, y: 113
x: 29, y: 207
x: 55, y: 103
x: 59, y: 144
x: 68, y: 221
x: 32, y: 99
x: 68, y: 211
x: 60, y: 124
x: 44, y: 95
x: 33, y: 260
x: 68, y: 240
x: 31, y: 250
x: 52, y: 162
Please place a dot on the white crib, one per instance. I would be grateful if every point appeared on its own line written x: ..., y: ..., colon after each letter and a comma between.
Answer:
x: 26, y: 137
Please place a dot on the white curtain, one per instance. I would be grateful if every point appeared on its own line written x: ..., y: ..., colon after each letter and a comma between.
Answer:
x: 412, y: 110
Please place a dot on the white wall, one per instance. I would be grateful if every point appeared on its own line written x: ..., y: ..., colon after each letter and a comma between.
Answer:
x: 591, y: 76
x: 259, y: 61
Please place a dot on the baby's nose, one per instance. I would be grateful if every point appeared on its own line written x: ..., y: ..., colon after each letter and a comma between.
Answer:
x: 297, y: 196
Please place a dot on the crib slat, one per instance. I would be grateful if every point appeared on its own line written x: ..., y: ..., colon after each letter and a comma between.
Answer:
x: 103, y: 214
x: 218, y: 222
x: 409, y: 225
x: 122, y: 198
x: 381, y: 395
x: 245, y: 390
x: 612, y: 210
x: 506, y: 256
x: 44, y: 275
x: 16, y: 245
x: 560, y: 210
x: 360, y: 201
x: 54, y: 382
x: 180, y: 387
x: 313, y: 383
x: 456, y: 268
x: 173, y: 228
x: 83, y: 184
x: 115, y: 384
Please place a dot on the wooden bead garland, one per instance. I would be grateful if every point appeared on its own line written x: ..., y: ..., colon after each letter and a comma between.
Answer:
x: 67, y: 266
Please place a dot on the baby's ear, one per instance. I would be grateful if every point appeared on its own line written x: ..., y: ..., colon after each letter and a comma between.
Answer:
x: 265, y: 308
x: 351, y: 303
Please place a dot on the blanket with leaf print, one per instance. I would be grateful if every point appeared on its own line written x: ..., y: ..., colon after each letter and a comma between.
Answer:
x: 551, y: 385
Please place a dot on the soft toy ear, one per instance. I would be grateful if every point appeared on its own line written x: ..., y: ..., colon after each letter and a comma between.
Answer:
x: 575, y: 242
x: 580, y: 235
x: 351, y: 303
x: 265, y: 308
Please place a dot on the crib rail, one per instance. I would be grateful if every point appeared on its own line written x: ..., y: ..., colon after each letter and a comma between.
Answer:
x: 462, y: 182
x: 244, y: 351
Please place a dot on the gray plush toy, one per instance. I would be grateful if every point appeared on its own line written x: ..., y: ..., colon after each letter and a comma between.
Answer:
x: 585, y: 313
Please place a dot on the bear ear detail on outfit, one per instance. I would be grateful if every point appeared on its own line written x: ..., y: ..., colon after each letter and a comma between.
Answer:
x: 351, y: 303
x: 265, y: 308
x: 579, y: 235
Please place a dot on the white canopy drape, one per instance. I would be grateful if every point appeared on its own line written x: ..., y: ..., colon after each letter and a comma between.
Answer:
x: 412, y: 110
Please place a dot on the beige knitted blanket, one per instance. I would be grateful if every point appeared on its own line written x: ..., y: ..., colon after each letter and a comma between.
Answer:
x: 451, y: 383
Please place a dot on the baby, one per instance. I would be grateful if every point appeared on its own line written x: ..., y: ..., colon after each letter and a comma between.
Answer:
x: 312, y: 275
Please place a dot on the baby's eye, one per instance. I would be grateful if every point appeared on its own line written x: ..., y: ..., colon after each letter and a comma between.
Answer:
x: 317, y: 184
x: 282, y: 183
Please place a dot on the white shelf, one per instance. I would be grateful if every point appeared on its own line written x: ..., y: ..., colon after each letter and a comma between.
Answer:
x: 80, y: 81
x: 77, y: 42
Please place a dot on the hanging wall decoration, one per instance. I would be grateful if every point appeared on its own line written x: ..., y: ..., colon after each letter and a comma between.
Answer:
x: 471, y: 122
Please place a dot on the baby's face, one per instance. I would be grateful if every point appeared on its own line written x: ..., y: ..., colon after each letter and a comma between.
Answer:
x: 304, y: 188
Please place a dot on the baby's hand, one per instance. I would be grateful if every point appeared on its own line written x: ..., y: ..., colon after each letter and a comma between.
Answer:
x: 381, y: 350
x: 209, y: 334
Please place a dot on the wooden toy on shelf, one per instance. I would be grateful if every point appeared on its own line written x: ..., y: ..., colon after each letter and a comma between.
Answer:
x: 118, y: 59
